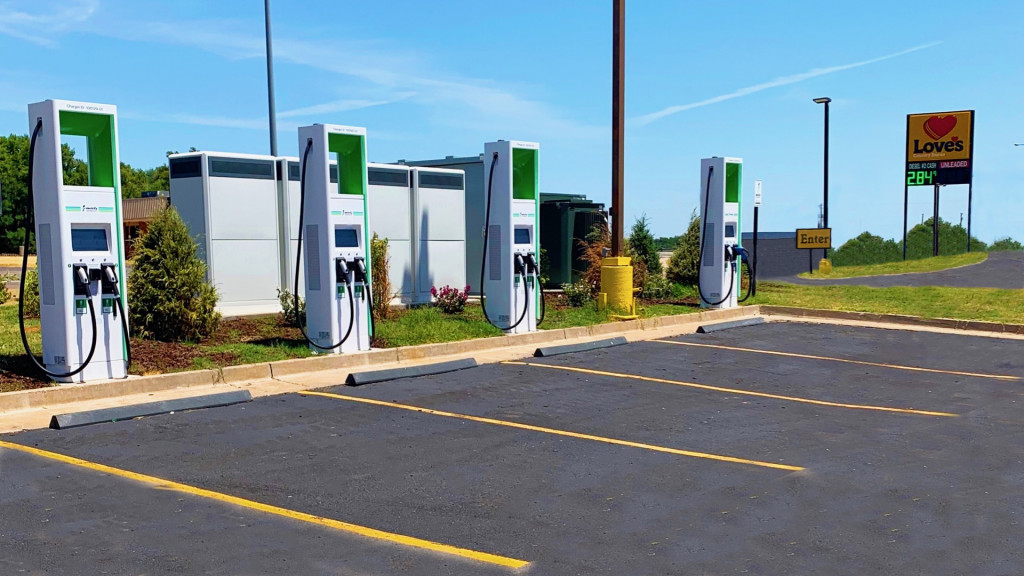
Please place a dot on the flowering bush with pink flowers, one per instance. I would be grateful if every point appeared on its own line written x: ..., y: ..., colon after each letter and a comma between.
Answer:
x: 450, y: 300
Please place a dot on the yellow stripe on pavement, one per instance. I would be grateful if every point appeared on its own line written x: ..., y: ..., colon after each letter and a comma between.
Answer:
x: 162, y: 484
x: 735, y: 390
x: 844, y: 360
x: 556, y: 432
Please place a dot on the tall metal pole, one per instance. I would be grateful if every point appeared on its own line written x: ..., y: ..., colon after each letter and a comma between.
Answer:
x: 826, y: 171
x: 935, y: 224
x: 618, y: 120
x: 970, y: 194
x: 270, y: 83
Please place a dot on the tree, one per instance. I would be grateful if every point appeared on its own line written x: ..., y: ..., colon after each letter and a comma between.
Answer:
x: 867, y: 249
x: 1005, y: 245
x: 158, y: 178
x: 168, y: 295
x: 133, y: 181
x: 683, y: 266
x: 641, y: 244
x: 14, y: 182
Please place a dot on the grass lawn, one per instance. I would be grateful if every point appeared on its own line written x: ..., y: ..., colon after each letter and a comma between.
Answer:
x: 987, y: 304
x: 901, y: 267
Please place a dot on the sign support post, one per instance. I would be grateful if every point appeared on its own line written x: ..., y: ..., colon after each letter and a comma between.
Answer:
x: 970, y: 193
x: 757, y: 208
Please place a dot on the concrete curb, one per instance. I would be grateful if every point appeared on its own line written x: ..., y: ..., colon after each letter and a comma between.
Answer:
x: 25, y: 399
x: 10, y: 401
x: 950, y: 323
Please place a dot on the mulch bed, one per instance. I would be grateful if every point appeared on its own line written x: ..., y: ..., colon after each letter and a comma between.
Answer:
x: 152, y: 357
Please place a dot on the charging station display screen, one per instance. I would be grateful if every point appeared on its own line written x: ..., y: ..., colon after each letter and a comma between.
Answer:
x: 346, y: 238
x: 730, y: 231
x: 89, y: 240
x: 522, y: 236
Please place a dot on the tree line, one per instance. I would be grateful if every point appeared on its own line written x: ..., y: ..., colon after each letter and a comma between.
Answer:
x: 14, y: 184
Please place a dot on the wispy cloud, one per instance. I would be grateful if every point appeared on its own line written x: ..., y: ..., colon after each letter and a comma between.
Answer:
x: 781, y: 81
x: 49, y: 19
x: 371, y: 72
x: 344, y: 105
x: 374, y: 73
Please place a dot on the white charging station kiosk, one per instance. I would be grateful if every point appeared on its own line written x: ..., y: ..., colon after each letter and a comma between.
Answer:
x: 335, y: 238
x: 720, y: 199
x: 439, y: 224
x: 289, y: 196
x: 511, y: 290
x: 79, y: 246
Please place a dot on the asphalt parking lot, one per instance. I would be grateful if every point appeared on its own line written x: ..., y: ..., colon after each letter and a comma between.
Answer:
x: 784, y: 448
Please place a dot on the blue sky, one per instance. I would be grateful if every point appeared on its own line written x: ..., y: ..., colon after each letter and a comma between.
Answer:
x: 429, y: 79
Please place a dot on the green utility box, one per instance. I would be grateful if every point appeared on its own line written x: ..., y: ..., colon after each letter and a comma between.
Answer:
x: 565, y: 219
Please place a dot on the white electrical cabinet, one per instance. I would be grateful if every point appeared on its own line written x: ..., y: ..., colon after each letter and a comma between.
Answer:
x: 390, y: 201
x: 439, y: 224
x: 230, y: 204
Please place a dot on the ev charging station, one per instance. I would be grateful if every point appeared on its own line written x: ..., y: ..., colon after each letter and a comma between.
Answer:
x: 80, y: 252
x: 510, y: 274
x: 721, y: 185
x: 334, y: 233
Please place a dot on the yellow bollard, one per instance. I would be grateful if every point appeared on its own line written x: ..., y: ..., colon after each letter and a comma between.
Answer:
x: 825, y: 266
x: 617, y: 288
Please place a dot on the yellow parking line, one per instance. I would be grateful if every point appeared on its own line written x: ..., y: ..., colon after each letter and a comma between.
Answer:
x: 735, y: 390
x: 844, y: 360
x: 556, y: 432
x: 162, y: 484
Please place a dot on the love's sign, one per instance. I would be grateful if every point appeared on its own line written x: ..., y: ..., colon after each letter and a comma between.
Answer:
x: 940, y: 148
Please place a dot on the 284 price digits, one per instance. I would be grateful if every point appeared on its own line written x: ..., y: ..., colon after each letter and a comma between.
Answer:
x: 920, y: 177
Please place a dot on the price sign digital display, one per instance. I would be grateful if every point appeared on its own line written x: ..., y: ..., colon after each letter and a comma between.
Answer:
x: 940, y: 148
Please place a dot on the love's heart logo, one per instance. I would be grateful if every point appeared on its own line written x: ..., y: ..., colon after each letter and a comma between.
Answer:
x: 938, y: 126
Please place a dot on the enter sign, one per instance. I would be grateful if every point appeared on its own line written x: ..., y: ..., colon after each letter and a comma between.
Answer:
x: 811, y: 238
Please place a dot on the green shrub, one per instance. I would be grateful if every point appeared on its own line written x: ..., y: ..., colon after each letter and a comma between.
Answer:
x: 684, y: 264
x: 168, y: 295
x: 578, y: 293
x: 289, y: 315
x: 867, y: 249
x: 5, y: 294
x: 31, y: 295
x: 1005, y: 245
x: 380, y: 281
x: 656, y: 287
x: 642, y: 247
x: 680, y: 291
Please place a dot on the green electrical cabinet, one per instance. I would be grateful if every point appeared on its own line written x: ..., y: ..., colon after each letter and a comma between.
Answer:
x: 564, y: 220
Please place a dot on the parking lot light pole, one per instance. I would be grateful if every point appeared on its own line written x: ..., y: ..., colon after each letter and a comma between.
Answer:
x: 825, y: 101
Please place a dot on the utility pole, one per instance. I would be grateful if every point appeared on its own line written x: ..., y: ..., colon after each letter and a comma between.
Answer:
x: 618, y: 120
x: 270, y: 82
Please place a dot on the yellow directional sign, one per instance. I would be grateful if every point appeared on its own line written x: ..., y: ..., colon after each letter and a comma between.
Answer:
x: 811, y: 238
